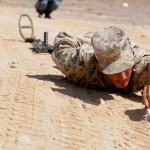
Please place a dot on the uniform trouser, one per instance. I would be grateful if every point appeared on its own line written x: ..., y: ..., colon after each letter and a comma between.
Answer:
x: 50, y: 6
x: 41, y: 6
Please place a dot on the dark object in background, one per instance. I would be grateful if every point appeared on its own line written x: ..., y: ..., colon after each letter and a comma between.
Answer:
x: 30, y: 36
x: 42, y: 46
x: 46, y: 7
x: 38, y: 45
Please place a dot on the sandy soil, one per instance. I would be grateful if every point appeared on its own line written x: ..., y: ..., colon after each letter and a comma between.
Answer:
x: 40, y: 110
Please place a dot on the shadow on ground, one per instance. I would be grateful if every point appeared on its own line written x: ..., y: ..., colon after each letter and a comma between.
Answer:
x: 66, y: 87
x: 90, y: 96
x: 136, y: 114
x: 133, y: 97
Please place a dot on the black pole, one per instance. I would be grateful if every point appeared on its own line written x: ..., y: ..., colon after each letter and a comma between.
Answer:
x: 46, y: 38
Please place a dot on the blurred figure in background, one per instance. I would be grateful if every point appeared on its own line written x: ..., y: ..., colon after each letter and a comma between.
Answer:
x: 46, y: 7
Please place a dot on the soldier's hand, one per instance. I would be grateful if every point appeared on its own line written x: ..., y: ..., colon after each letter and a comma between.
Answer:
x: 146, y: 89
x: 146, y: 95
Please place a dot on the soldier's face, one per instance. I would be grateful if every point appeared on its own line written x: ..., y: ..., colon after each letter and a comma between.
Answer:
x: 120, y: 80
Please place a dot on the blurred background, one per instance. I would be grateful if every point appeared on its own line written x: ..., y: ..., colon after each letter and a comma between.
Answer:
x: 136, y: 12
x: 35, y: 111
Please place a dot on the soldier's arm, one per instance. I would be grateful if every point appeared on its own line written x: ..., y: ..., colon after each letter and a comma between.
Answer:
x: 66, y: 51
x: 61, y: 67
x: 75, y: 58
x: 146, y: 89
x: 148, y: 71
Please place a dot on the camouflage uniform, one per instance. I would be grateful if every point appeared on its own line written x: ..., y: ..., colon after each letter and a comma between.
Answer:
x: 76, y: 59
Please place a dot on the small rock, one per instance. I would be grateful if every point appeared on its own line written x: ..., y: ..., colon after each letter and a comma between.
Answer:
x: 114, y: 113
x: 24, y: 138
x: 101, y: 101
x: 13, y: 66
x: 32, y: 72
x: 142, y: 36
x: 85, y: 106
x: 129, y: 132
x: 125, y: 5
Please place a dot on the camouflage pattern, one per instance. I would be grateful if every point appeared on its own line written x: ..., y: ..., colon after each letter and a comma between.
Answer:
x: 112, y: 50
x: 76, y: 59
x: 139, y: 77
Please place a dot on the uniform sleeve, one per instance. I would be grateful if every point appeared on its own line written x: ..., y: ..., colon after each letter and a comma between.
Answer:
x: 66, y: 50
x: 140, y: 73
x: 75, y: 58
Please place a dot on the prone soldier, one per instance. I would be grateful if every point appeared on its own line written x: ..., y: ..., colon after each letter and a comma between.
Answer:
x: 109, y: 62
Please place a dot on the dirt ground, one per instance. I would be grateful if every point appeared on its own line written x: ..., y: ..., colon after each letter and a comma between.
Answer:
x: 40, y: 110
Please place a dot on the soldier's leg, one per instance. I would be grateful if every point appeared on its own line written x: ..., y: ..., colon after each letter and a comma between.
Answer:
x: 41, y: 7
x: 40, y: 14
x: 52, y: 6
x: 47, y: 14
x: 48, y: 10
